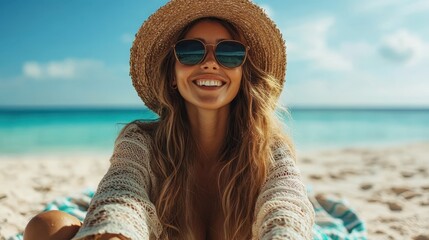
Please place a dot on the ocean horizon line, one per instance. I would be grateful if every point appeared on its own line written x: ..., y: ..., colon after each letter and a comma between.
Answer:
x: 35, y: 128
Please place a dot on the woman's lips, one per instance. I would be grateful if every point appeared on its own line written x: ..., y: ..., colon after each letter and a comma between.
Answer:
x: 208, y: 83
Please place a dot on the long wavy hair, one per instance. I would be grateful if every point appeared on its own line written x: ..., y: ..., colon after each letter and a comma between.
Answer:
x: 246, y: 155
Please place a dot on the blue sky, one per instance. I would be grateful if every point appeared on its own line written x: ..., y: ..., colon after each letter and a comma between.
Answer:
x: 340, y: 53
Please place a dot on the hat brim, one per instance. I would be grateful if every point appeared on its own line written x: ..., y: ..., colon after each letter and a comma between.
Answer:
x: 155, y: 37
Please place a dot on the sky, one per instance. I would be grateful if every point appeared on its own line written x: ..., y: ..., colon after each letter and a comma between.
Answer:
x: 349, y: 53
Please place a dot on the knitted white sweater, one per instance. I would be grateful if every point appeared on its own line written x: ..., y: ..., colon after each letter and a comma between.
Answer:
x: 121, y: 204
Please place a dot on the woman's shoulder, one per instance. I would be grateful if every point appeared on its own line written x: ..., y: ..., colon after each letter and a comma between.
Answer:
x: 137, y: 131
x: 282, y: 148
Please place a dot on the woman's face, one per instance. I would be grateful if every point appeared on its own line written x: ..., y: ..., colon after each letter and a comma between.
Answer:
x: 207, y: 85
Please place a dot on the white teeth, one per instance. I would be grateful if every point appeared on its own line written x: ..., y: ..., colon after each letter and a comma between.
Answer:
x: 209, y: 83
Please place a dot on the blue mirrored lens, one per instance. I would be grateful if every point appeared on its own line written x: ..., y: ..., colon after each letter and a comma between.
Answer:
x: 190, y: 52
x: 230, y: 54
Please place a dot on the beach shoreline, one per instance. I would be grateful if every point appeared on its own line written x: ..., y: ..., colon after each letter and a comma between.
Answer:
x: 387, y: 186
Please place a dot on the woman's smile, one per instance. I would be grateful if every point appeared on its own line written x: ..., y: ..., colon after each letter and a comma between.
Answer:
x: 209, y: 82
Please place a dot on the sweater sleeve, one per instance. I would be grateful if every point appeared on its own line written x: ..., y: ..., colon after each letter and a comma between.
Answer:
x: 121, y: 203
x: 283, y: 210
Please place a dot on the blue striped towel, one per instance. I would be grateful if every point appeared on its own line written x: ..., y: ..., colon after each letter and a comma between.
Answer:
x: 335, y: 219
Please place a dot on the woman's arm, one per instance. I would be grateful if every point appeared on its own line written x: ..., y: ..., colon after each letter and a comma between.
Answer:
x: 283, y: 210
x: 121, y: 204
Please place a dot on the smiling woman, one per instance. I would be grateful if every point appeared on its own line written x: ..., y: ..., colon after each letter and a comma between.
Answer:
x: 216, y: 165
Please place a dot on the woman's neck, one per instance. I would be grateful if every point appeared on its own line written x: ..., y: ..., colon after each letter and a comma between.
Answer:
x: 209, y: 129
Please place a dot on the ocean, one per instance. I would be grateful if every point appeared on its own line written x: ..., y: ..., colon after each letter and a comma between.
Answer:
x: 75, y: 130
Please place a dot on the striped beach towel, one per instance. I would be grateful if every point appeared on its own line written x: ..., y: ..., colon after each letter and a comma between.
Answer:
x: 335, y: 220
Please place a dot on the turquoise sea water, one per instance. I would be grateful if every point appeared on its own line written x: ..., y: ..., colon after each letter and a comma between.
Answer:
x: 47, y: 130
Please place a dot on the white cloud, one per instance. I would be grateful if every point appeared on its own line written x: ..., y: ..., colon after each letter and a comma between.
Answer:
x: 403, y: 47
x: 385, y: 52
x: 392, y: 13
x: 32, y: 69
x: 415, y: 7
x: 374, y: 81
x: 309, y: 42
x: 357, y: 51
x: 371, y: 5
x: 401, y: 8
x: 63, y: 69
x: 359, y: 89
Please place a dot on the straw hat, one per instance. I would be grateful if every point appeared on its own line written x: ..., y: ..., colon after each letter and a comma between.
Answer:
x: 155, y: 37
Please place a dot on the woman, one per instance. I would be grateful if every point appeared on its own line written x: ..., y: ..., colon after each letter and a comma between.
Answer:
x: 216, y: 164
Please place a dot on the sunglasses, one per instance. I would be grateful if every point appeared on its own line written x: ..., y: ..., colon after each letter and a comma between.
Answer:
x: 228, y: 53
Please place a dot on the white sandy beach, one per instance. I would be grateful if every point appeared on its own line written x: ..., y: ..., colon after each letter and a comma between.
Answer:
x: 389, y: 187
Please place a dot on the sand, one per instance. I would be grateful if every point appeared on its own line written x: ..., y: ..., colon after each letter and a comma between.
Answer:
x: 387, y: 186
x: 29, y: 182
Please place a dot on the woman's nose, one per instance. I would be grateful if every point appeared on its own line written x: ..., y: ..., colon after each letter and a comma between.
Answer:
x: 209, y: 62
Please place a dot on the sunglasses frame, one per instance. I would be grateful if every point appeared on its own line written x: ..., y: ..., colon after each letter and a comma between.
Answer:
x: 214, y: 46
